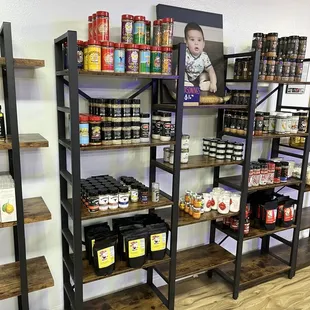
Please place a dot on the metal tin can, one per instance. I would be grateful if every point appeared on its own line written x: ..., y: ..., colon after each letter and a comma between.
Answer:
x: 166, y: 60
x: 139, y: 30
x: 94, y: 55
x: 102, y: 26
x: 144, y: 59
x: 156, y: 59
x: 107, y: 56
x: 127, y: 28
x: 132, y: 58
x: 119, y: 57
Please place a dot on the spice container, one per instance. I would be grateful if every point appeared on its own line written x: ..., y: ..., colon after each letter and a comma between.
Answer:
x: 263, y: 68
x: 293, y: 46
x: 281, y: 123
x: 94, y: 130
x: 103, y: 199
x: 157, y: 35
x: 272, y: 122
x: 167, y: 32
x: 85, y: 54
x: 233, y: 122
x: 303, y: 122
x: 257, y: 41
x: 289, y: 122
x: 302, y: 47
x: 272, y: 44
x: 123, y: 197
x: 171, y: 157
x: 90, y: 27
x: 113, y: 198
x: 266, y: 122
x: 106, y: 133
x: 284, y: 171
x: 271, y: 63
x: 94, y: 56
x: 107, y: 56
x: 144, y: 59
x: 102, y: 26
x: 94, y: 26
x: 148, y: 32
x: 294, y: 122
x: 165, y: 121
x: 256, y: 175
x: 259, y: 122
x: 286, y: 70
x: 245, y: 66
x: 156, y: 56
x: 263, y: 173
x: 155, y: 192
x: 235, y: 202
x: 184, y: 156
x: 144, y: 127
x: 132, y: 58
x: 93, y: 201
x: 127, y: 28
x: 119, y: 57
x: 234, y: 97
x: 84, y: 130
x: 156, y: 123
x: 292, y: 70
x: 227, y: 121
x: 166, y: 60
x: 278, y: 69
x: 126, y: 133
x: 134, y: 193
x: 166, y: 154
x: 277, y: 173
x: 298, y: 70
x: 135, y: 132
x: 185, y: 142
x: 139, y: 30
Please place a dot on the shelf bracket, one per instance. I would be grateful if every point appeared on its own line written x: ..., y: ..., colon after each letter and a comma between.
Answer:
x: 81, y: 93
x: 267, y: 96
x: 141, y: 90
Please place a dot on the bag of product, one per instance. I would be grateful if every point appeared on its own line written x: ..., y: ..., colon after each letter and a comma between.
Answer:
x: 158, y: 234
x: 281, y: 203
x: 105, y: 254
x: 269, y: 214
x: 288, y: 213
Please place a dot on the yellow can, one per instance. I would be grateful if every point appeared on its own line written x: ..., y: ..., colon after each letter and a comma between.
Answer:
x: 94, y: 56
x: 85, y: 67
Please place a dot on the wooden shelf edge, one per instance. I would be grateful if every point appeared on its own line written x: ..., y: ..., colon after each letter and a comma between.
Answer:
x: 31, y: 140
x: 25, y: 63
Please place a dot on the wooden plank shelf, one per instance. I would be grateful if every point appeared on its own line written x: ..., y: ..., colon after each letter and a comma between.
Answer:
x: 266, y: 136
x: 235, y: 182
x: 197, y: 161
x: 254, y: 232
x: 305, y: 219
x: 186, y: 219
x: 30, y: 140
x: 39, y: 277
x: 133, y: 207
x: 35, y: 210
x: 267, y: 82
x: 197, y: 260
x: 255, y: 268
x: 25, y: 63
x: 140, y: 297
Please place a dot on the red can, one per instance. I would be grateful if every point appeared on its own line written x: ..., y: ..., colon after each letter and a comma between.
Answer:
x: 94, y: 27
x: 107, y: 56
x: 102, y: 26
x: 90, y: 27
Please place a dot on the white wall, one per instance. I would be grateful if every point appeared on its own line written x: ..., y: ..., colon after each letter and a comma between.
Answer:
x: 35, y: 24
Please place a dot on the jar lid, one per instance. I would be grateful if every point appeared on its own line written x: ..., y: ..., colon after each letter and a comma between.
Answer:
x: 274, y: 34
x: 156, y: 48
x: 302, y: 38
x: 80, y: 42
x: 130, y: 45
x: 102, y: 13
x: 148, y: 22
x: 127, y: 16
x: 278, y: 164
x: 94, y: 15
x: 266, y: 113
x: 123, y: 189
x: 93, y: 42
x: 166, y: 49
x: 238, y: 144
x: 167, y: 20
x: 157, y: 22
x: 139, y: 17
x: 90, y: 18
x: 144, y: 115
x: 285, y: 163
x: 156, y: 113
x: 83, y: 117
x: 93, y: 192
x: 258, y: 34
x: 94, y: 118
x: 294, y: 37
x: 165, y: 114
x: 144, y: 47
x: 103, y: 191
x: 113, y: 190
x: 186, y: 136
x: 107, y: 43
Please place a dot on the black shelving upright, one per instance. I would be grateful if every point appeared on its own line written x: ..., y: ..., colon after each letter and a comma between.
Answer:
x: 72, y: 268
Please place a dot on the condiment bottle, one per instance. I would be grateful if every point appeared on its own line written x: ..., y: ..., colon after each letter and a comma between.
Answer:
x: 144, y: 59
x: 281, y: 123
x: 127, y: 28
x: 157, y: 33
x: 123, y: 197
x: 94, y: 55
x: 113, y: 198
x: 139, y: 30
x: 284, y: 171
x: 156, y: 56
x: 165, y: 127
x: 102, y: 26
x: 155, y: 192
x: 107, y: 56
x: 145, y: 127
x: 94, y: 130
x: 166, y: 60
x: 103, y: 199
x: 84, y: 129
x: 144, y: 196
x: 119, y: 57
x: 277, y: 173
x: 156, y: 123
x: 167, y: 32
x: 259, y: 122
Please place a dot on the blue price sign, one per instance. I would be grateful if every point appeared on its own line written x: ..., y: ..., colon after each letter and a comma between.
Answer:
x: 191, y: 94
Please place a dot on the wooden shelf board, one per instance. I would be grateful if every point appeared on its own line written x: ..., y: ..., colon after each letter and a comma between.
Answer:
x: 186, y: 219
x: 197, y: 260
x: 305, y: 219
x: 35, y: 210
x: 265, y: 136
x: 133, y: 207
x: 30, y: 140
x: 256, y: 268
x: 198, y: 161
x: 267, y: 82
x: 25, y: 63
x: 235, y: 182
x: 254, y: 232
x: 140, y: 297
x: 39, y: 277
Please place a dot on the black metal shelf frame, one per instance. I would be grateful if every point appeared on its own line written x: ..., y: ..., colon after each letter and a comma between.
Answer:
x: 244, y: 184
x: 72, y: 269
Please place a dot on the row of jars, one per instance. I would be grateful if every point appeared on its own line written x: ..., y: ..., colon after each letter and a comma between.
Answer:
x: 168, y: 152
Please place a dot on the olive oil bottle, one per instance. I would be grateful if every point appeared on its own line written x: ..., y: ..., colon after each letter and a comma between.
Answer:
x: 2, y: 127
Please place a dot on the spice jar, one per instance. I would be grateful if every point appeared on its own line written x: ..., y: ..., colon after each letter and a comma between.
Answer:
x: 145, y: 127
x: 184, y: 156
x: 135, y: 132
x: 185, y: 141
x: 102, y: 26
x: 144, y: 59
x: 94, y: 56
x: 113, y: 198
x: 292, y: 70
x: 134, y: 193
x: 278, y: 69
x: 165, y: 121
x: 266, y: 122
x: 123, y: 197
x: 263, y: 68
x: 242, y: 97
x: 263, y: 173
x: 103, y: 199
x: 85, y: 54
x: 259, y: 122
x: 303, y: 122
x: 156, y: 123
x: 271, y: 63
x: 126, y: 133
x: 294, y: 122
x: 148, y: 32
x: 166, y: 154
x: 106, y: 133
x: 284, y: 171
x: 298, y: 70
x: 257, y: 41
x: 239, y: 125
x: 277, y: 173
x: 227, y: 120
x: 286, y: 70
x: 94, y: 26
x: 271, y: 171
x: 289, y: 122
x: 93, y: 201
x: 302, y: 47
x: 132, y: 58
x: 166, y: 60
x: 167, y: 32
x: 139, y: 30
x: 293, y: 46
x: 84, y: 130
x: 272, y: 44
x: 233, y: 121
x: 127, y: 28
x: 272, y: 122
x: 245, y: 67
x: 157, y: 35
x: 235, y: 97
x: 90, y: 27
x: 256, y: 175
x: 119, y: 57
x: 107, y: 56
x: 281, y: 123
x: 235, y: 202
x: 94, y: 130
x: 156, y: 59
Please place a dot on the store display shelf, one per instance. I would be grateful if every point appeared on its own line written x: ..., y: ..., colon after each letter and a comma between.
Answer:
x: 197, y: 260
x: 35, y: 210
x: 296, y: 146
x: 265, y: 136
x: 303, y: 254
x: 254, y: 232
x: 133, y: 207
x: 124, y: 75
x: 172, y: 107
x: 30, y: 140
x: 266, y: 82
x: 186, y: 219
x: 197, y: 161
x: 25, y: 63
x: 134, y: 298
x: 235, y: 182
x: 39, y: 277
x: 305, y: 219
x: 256, y: 268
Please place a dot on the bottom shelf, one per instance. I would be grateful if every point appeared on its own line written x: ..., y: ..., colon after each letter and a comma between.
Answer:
x: 139, y: 297
x: 39, y: 277
x: 256, y: 268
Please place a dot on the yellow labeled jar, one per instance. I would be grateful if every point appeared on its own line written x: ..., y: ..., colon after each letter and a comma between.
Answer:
x: 94, y: 55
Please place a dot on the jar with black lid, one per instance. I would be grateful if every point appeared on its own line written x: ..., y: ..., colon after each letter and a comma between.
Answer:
x: 286, y: 70
x: 227, y: 120
x: 266, y: 122
x: 93, y: 201
x: 108, y: 110
x: 126, y: 110
x: 135, y: 132
x: 284, y: 171
x: 116, y: 110
x: 245, y: 68
x: 303, y: 122
x: 242, y: 97
x: 135, y: 112
x: 233, y: 121
x: 247, y: 97
x: 271, y: 63
x: 102, y: 109
x: 278, y: 69
x: 259, y: 121
x: 264, y: 45
x: 262, y: 68
x: 298, y: 71
x: 293, y: 46
x: 239, y: 72
x: 292, y: 70
x: 302, y: 47
x: 239, y: 124
x: 257, y: 41
x: 272, y: 44
x: 106, y: 133
x: 126, y: 133
x: 94, y: 130
x: 235, y: 97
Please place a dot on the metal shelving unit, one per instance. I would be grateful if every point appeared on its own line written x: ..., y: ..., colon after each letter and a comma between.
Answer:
x: 75, y: 271
x: 23, y: 276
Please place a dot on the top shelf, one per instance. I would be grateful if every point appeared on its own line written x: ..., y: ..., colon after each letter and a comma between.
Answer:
x: 123, y: 75
x: 25, y: 63
x: 266, y: 82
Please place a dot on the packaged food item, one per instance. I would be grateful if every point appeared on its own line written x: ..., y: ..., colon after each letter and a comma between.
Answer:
x: 102, y: 26
x: 288, y: 213
x: 158, y: 240
x: 139, y: 31
x: 269, y: 214
x: 127, y: 28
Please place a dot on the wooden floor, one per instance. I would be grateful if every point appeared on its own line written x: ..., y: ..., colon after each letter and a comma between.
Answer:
x: 213, y: 294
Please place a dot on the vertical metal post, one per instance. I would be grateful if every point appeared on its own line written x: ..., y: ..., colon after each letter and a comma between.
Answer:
x: 176, y: 176
x: 245, y: 172
x: 12, y: 130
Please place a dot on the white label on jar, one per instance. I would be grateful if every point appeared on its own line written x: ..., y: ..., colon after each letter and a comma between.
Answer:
x: 134, y: 195
x: 223, y: 206
x: 144, y: 130
x: 215, y: 200
x: 281, y: 125
x: 185, y: 143
x: 123, y: 200
x: 113, y: 202
x: 235, y: 203
x: 184, y: 157
x: 207, y: 198
x: 103, y: 200
x: 165, y: 128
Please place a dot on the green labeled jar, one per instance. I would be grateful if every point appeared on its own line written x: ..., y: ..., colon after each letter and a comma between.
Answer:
x: 144, y: 59
x: 156, y: 59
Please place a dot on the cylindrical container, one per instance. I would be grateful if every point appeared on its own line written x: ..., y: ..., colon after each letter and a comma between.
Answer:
x: 227, y: 121
x: 85, y: 65
x: 106, y: 133
x: 113, y: 198
x: 116, y: 133
x: 299, y: 69
x: 263, y: 174
x: 263, y: 68
x: 148, y: 32
x: 293, y: 46
x: 107, y: 56
x: 132, y: 58
x: 94, y: 130
x: 135, y: 132
x: 123, y: 197
x: 302, y: 47
x: 144, y: 195
x: 156, y: 123
x: 284, y: 171
x: 281, y: 123
x: 185, y: 142
x: 165, y: 126
x: 167, y: 32
x: 292, y: 70
x: 303, y: 122
x: 94, y: 27
x: 277, y: 173
x: 294, y: 122
x: 286, y: 70
x: 102, y: 26
x: 157, y: 35
x: 134, y: 193
x: 224, y: 204
x: 266, y: 122
x: 144, y: 127
x: 156, y: 59
x: 103, y: 199
x: 166, y: 154
x: 184, y: 156
x: 155, y: 192
x: 90, y: 27
x: 272, y: 122
x: 257, y: 41
x: 144, y: 59
x: 84, y: 130
x: 166, y: 60
x: 139, y: 30
x: 271, y: 63
x: 235, y: 202
x: 272, y: 44
x: 289, y: 122
x: 94, y: 55
x: 278, y: 69
x: 271, y: 170
x: 259, y: 122
x: 80, y: 55
x: 119, y: 57
x: 126, y: 132
x: 127, y: 28
x: 171, y: 157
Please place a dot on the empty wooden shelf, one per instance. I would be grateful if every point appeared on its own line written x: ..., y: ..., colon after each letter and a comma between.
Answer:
x: 30, y: 140
x: 25, y: 63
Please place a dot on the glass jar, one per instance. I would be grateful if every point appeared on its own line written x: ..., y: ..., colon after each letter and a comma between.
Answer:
x: 242, y: 97
x: 126, y: 133
x: 144, y: 127
x: 227, y: 120
x: 166, y: 154
x: 264, y: 46
x: 80, y: 54
x: 277, y: 173
x: 165, y: 126
x: 293, y: 46
x: 281, y: 123
x: 286, y: 70
x: 235, y: 97
x: 263, y: 68
x: 303, y: 122
x: 298, y: 70
x: 171, y: 157
x: 132, y: 58
x: 94, y: 130
x: 184, y: 156
x: 123, y: 197
x: 302, y: 47
x: 90, y: 27
x: 157, y: 35
x: 107, y: 56
x: 94, y: 56
x: 84, y: 130
x: 235, y: 202
x: 257, y: 41
x: 94, y: 27
x: 245, y: 68
x: 263, y: 174
x: 185, y: 141
x: 103, y: 199
x: 106, y: 133
x: 266, y: 122
x: 292, y: 70
x: 113, y: 198
x: 259, y: 122
x: 272, y: 122
x: 271, y: 63
x: 294, y: 122
x: 148, y: 32
x: 144, y: 195
x: 256, y: 175
x: 127, y: 28
x: 144, y: 59
x: 135, y: 111
x: 278, y: 69
x: 156, y: 123
x: 239, y: 123
x: 135, y: 132
x: 119, y: 57
x: 166, y: 60
x: 167, y: 32
x: 134, y: 193
x: 93, y: 201
x: 102, y: 26
x: 289, y: 122
x: 156, y: 56
x: 272, y: 44
x: 284, y: 171
x: 247, y: 100
x: 139, y: 30
x: 233, y: 122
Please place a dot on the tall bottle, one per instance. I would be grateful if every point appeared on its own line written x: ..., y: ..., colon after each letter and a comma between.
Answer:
x: 2, y: 127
